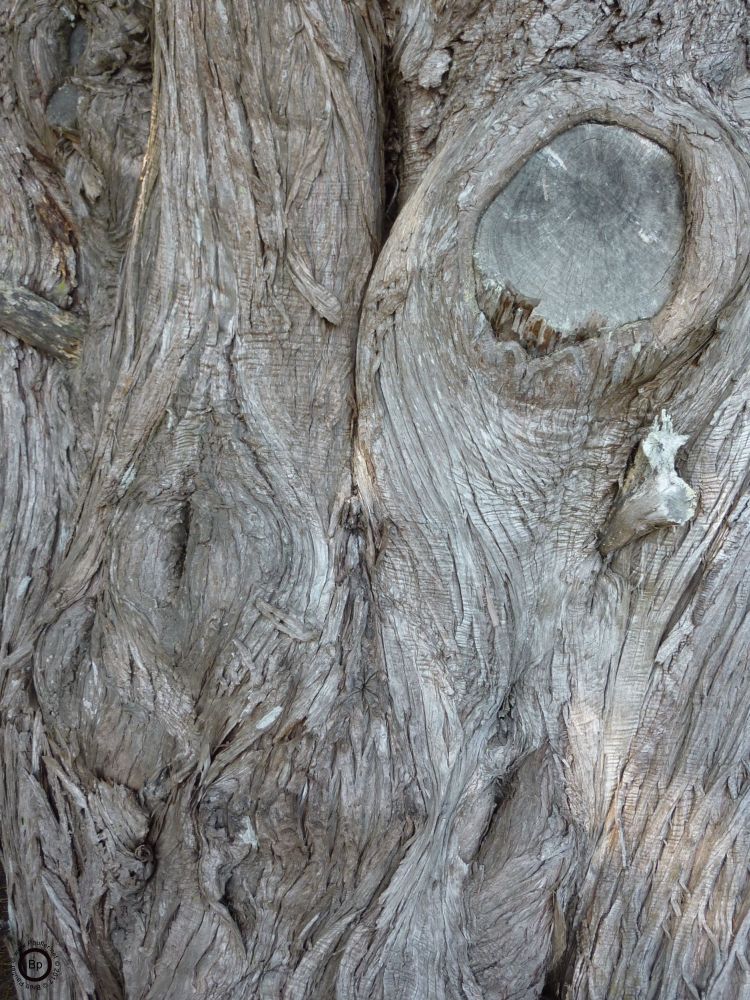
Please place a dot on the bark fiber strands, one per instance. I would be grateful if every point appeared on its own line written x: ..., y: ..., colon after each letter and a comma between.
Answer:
x: 509, y: 469
x: 315, y: 680
x: 227, y: 434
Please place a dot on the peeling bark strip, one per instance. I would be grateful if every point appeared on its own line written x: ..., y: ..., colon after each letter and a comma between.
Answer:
x: 40, y: 323
x: 314, y: 682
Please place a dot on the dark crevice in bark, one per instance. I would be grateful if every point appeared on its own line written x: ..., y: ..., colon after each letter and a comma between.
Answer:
x: 557, y: 981
x: 392, y: 151
x: 183, y: 538
x: 553, y: 987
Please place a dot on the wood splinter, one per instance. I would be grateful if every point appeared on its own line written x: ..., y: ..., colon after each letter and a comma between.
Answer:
x: 653, y: 495
x: 513, y: 317
x: 39, y: 323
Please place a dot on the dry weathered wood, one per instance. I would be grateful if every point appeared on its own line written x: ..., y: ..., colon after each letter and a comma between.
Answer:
x: 40, y: 323
x: 591, y: 227
x: 315, y: 682
x: 652, y: 495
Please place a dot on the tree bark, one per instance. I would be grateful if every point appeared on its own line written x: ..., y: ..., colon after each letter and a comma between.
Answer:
x: 363, y: 635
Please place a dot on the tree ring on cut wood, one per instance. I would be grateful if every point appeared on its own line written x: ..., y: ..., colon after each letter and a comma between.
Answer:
x: 587, y: 235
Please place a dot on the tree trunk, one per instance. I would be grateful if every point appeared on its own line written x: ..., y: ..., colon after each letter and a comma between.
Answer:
x: 360, y: 637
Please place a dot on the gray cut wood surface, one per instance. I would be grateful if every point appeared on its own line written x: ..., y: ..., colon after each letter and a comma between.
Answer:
x: 370, y: 631
x: 591, y: 227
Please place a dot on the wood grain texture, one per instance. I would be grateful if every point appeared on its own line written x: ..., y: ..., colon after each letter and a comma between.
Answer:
x: 39, y: 323
x: 534, y: 705
x: 198, y: 660
x: 318, y: 678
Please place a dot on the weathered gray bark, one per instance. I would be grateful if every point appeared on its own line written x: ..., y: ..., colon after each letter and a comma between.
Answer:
x: 359, y: 637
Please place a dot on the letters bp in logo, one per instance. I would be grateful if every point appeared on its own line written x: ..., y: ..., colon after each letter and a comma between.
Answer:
x: 36, y: 965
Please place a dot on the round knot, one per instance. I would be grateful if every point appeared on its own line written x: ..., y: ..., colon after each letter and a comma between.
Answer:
x: 144, y: 853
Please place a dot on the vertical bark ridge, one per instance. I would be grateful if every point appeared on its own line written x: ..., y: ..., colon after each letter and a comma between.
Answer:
x: 519, y: 657
x: 38, y: 253
x: 194, y: 641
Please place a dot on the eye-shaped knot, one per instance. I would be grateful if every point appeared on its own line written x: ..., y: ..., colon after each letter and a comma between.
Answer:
x: 586, y: 236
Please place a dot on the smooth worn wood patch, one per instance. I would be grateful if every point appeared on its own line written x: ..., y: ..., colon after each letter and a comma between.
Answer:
x: 590, y: 229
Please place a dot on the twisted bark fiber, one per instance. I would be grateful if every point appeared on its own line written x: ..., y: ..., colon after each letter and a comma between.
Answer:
x: 341, y: 654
